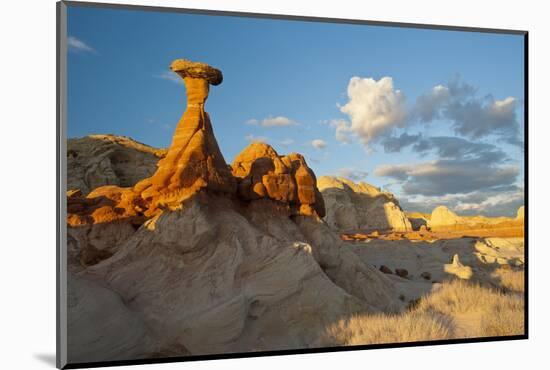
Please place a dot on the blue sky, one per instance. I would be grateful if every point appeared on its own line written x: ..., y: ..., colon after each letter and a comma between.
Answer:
x: 434, y: 116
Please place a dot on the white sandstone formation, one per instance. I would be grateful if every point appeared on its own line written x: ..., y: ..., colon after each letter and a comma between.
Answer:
x: 360, y: 207
x: 98, y: 160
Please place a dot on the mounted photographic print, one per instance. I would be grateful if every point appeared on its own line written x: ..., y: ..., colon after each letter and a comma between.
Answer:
x: 235, y: 184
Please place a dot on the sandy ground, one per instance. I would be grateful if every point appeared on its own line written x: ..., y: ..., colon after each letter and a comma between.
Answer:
x: 427, y: 263
x: 452, y: 287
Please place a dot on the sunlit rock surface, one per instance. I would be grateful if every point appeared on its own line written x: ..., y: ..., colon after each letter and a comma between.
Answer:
x: 360, y: 207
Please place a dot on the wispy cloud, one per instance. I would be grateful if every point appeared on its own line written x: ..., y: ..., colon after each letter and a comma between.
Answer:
x: 79, y: 46
x: 319, y: 144
x: 278, y: 121
x: 352, y: 174
x: 163, y: 125
x: 256, y: 139
x: 170, y: 76
x: 343, y: 130
x: 287, y: 142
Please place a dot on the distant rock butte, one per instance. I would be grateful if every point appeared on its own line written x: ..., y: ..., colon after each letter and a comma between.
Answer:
x: 353, y: 207
x: 443, y: 219
x: 443, y: 216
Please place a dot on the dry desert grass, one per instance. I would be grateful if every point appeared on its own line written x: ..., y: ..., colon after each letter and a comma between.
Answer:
x: 510, y: 279
x: 458, y: 309
x: 411, y: 326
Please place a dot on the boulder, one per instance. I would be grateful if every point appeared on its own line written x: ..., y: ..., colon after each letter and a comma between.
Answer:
x: 402, y: 273
x: 261, y: 173
x: 457, y: 269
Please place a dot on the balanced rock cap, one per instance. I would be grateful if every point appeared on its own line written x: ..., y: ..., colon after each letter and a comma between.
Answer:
x: 187, y: 68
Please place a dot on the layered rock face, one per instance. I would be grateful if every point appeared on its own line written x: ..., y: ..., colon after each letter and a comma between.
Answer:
x: 354, y: 207
x: 197, y: 267
x: 263, y: 174
x: 215, y: 278
x: 99, y: 160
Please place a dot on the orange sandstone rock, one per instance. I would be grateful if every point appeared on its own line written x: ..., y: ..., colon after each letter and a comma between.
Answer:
x: 194, y: 163
x: 194, y: 160
x: 262, y: 173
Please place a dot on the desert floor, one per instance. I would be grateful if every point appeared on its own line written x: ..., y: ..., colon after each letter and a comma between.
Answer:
x: 454, y: 287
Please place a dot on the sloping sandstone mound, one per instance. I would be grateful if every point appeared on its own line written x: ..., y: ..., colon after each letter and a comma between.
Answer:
x: 216, y: 277
x: 209, y: 269
x: 98, y: 160
x: 354, y: 207
x: 96, y: 312
x: 443, y: 216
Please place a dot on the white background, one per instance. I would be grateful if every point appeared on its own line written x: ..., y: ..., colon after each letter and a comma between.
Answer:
x: 27, y: 182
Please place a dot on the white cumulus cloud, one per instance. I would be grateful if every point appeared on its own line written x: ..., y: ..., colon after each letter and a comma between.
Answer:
x: 374, y: 108
x: 343, y: 130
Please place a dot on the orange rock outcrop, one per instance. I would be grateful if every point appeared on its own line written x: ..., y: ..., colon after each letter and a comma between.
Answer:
x: 194, y: 160
x: 262, y: 173
x: 195, y: 163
